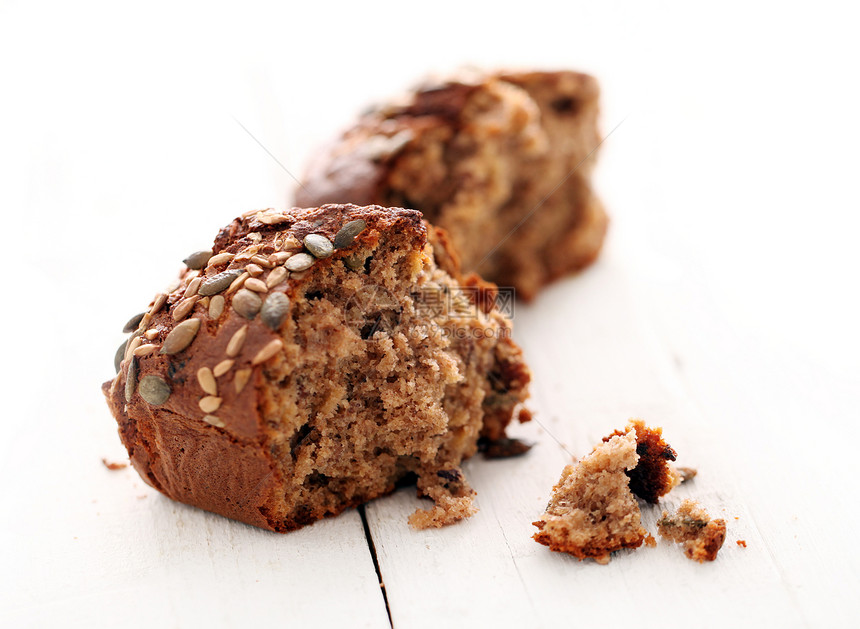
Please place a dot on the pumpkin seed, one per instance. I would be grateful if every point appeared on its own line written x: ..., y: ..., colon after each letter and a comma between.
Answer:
x: 247, y: 303
x: 131, y: 324
x: 197, y: 260
x: 220, y: 281
x: 154, y: 390
x: 180, y: 337
x: 120, y: 354
x: 348, y: 232
x: 275, y: 310
x: 318, y: 245
x: 299, y: 262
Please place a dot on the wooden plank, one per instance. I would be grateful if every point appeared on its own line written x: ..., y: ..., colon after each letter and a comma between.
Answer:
x: 595, y: 363
x: 794, y: 426
x: 91, y: 546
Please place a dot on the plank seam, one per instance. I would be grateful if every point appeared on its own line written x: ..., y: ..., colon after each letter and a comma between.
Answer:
x: 372, y: 548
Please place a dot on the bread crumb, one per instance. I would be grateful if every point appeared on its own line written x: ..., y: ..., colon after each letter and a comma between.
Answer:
x: 691, y: 526
x: 742, y: 542
x: 113, y: 466
x: 592, y: 511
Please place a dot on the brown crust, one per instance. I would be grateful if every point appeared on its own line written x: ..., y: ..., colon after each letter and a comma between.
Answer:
x: 598, y: 550
x: 227, y: 468
x: 358, y: 167
x: 653, y: 476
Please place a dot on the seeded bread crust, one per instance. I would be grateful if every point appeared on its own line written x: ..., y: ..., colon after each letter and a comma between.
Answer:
x: 503, y: 162
x: 228, y: 438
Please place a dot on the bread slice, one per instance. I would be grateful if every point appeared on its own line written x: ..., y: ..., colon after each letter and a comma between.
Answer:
x: 311, y: 361
x: 502, y: 161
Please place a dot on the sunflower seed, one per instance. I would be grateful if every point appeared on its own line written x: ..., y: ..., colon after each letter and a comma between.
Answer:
x: 174, y: 284
x: 220, y: 258
x: 222, y: 367
x: 255, y: 236
x: 198, y: 259
x: 154, y: 390
x: 133, y: 344
x: 348, y: 232
x: 184, y: 307
x: 279, y: 257
x: 120, y: 354
x: 150, y: 334
x: 275, y: 310
x: 209, y: 404
x: 144, y: 323
x: 269, y: 218
x: 241, y: 379
x: 181, y: 336
x: 262, y: 261
x: 278, y: 275
x: 236, y: 342
x: 247, y: 303
x: 158, y: 303
x: 291, y: 244
x: 238, y: 283
x: 319, y: 245
x: 131, y: 324
x: 216, y: 306
x: 299, y: 262
x: 207, y: 381
x: 255, y: 270
x: 256, y: 285
x: 217, y: 283
x: 269, y: 349
x: 193, y: 287
x: 145, y: 350
x: 215, y: 421
x: 131, y: 380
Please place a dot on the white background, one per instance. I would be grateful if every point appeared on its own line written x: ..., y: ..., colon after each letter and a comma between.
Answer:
x: 732, y: 182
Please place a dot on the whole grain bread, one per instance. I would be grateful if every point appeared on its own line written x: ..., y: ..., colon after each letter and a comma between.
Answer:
x: 502, y: 161
x: 309, y: 362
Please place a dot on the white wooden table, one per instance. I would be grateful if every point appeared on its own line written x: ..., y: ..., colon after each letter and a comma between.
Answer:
x: 723, y: 309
